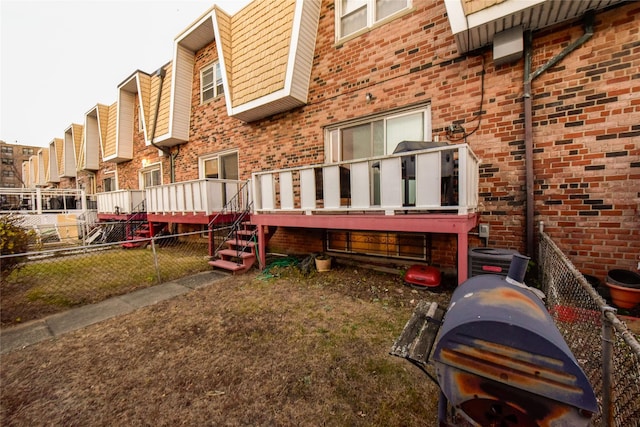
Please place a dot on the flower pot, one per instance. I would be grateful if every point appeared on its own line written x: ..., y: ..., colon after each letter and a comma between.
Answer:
x: 323, y: 263
x: 624, y: 287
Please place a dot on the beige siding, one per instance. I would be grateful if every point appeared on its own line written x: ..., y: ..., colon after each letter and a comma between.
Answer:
x: 43, y: 154
x: 81, y: 160
x: 473, y: 6
x: 144, y: 98
x: 260, y: 49
x: 78, y: 139
x: 91, y: 141
x: 59, y: 146
x: 103, y: 124
x: 182, y: 86
x: 305, y: 48
x: 125, y: 127
x: 224, y: 27
x: 162, y: 128
x: 109, y: 129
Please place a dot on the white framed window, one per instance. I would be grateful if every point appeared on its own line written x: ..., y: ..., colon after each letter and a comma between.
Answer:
x: 109, y: 184
x: 219, y: 166
x: 353, y: 16
x: 151, y: 176
x: 210, y: 82
x: 378, y: 135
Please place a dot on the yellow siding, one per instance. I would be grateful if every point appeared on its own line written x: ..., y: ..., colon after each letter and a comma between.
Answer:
x: 144, y: 82
x: 44, y: 156
x: 81, y: 158
x: 110, y: 141
x: 260, y: 49
x: 59, y: 144
x: 224, y: 26
x: 78, y: 132
x: 473, y: 6
x: 163, y: 113
x: 103, y: 124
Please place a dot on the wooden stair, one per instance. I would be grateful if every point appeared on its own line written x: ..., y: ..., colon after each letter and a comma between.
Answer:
x: 142, y: 235
x: 240, y: 253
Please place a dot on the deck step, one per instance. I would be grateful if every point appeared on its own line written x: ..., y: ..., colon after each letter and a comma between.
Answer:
x: 235, y: 254
x: 240, y: 242
x: 228, y: 265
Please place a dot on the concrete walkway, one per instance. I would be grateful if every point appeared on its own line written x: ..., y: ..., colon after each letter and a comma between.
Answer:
x: 58, y: 324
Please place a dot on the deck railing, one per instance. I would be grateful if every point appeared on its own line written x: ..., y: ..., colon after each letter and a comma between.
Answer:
x: 435, y: 179
x: 44, y: 200
x: 199, y: 196
x: 120, y: 201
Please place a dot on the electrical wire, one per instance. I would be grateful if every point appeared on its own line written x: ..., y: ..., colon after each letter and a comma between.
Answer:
x: 464, y: 133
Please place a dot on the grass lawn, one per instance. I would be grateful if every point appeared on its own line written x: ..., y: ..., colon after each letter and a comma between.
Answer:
x: 53, y: 284
x: 291, y: 350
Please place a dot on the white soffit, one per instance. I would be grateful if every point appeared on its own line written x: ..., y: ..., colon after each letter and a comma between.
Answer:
x: 477, y: 29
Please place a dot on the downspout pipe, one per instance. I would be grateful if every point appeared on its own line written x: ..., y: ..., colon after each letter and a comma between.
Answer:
x: 589, y: 19
x: 161, y: 73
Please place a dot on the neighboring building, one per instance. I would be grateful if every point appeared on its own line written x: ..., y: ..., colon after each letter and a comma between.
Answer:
x: 309, y: 100
x: 12, y: 157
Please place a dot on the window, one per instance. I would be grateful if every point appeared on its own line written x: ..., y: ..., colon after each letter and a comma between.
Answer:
x: 355, y: 15
x: 151, y: 176
x: 386, y: 244
x: 219, y: 166
x: 27, y: 151
x: 7, y: 161
x: 377, y: 136
x: 109, y: 184
x: 7, y: 150
x: 7, y: 173
x: 211, y: 82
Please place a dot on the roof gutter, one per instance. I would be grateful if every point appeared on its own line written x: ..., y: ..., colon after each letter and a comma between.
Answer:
x: 588, y: 22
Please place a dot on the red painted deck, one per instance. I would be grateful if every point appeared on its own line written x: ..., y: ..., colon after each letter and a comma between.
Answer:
x: 459, y: 225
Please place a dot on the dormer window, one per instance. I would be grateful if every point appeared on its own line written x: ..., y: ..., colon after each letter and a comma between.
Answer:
x: 354, y: 16
x: 210, y: 82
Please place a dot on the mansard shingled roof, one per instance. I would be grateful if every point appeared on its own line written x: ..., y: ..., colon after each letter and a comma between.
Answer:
x: 265, y: 51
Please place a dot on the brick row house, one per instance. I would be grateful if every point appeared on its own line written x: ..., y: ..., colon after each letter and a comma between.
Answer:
x: 389, y: 129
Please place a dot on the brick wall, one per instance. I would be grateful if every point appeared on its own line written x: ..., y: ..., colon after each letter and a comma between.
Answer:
x: 587, y: 143
x: 586, y: 131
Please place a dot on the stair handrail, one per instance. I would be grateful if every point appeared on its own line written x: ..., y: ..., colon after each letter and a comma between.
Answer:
x: 137, y: 209
x: 228, y: 207
x: 232, y: 208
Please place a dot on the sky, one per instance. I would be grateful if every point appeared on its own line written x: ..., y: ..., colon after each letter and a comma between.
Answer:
x: 59, y: 58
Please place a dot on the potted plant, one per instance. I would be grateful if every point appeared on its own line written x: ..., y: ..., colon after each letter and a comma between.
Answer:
x: 323, y: 262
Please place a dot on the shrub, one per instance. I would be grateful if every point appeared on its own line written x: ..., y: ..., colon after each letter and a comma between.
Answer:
x: 14, y: 239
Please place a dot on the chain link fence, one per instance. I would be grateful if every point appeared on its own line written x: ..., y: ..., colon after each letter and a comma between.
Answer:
x: 80, y: 265
x: 607, y: 350
x: 65, y: 272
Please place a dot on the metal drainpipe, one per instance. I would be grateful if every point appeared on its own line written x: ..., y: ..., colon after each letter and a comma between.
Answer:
x: 589, y: 19
x: 161, y: 73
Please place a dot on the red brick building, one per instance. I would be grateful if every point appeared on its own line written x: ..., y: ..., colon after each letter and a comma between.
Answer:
x: 554, y: 122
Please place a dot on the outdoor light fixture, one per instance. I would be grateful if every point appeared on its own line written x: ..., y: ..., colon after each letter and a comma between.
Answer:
x: 369, y: 97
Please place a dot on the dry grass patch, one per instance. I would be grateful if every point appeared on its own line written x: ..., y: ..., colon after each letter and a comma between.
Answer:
x: 287, y: 351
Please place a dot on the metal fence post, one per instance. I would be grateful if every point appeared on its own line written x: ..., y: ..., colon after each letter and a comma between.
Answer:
x: 607, y: 366
x: 155, y: 259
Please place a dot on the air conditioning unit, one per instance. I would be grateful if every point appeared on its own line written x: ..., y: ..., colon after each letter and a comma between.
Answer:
x: 490, y: 261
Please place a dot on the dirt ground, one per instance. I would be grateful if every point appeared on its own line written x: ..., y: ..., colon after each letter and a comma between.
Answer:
x: 288, y: 350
